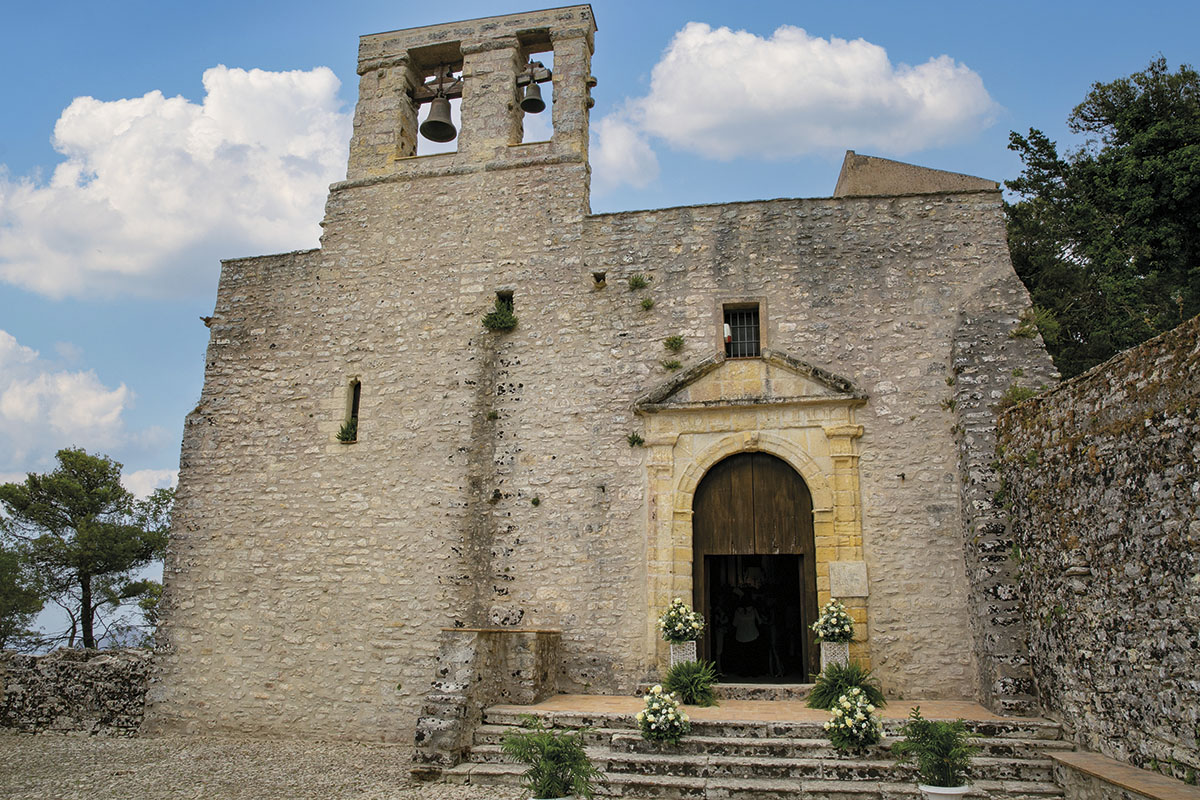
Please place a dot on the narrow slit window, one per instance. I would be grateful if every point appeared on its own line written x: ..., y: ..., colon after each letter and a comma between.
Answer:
x: 349, y: 430
x: 741, y: 332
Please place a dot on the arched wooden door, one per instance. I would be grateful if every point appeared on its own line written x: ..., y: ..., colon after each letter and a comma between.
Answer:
x: 754, y: 569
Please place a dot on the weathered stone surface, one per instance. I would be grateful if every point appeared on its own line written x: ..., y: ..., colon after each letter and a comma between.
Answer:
x: 86, y: 691
x: 1103, y: 477
x: 492, y: 482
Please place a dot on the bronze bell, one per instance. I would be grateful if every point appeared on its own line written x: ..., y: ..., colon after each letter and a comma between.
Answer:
x: 437, y: 127
x: 532, y: 102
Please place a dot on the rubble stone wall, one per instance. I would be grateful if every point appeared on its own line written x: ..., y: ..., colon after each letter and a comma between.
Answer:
x: 1103, y: 478
x: 87, y: 691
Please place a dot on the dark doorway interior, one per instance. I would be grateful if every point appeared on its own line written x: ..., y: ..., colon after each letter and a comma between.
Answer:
x: 757, y: 630
x: 753, y: 540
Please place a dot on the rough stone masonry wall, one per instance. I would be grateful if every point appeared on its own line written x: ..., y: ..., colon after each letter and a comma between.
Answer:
x: 989, y: 358
x: 1103, y: 474
x: 85, y: 691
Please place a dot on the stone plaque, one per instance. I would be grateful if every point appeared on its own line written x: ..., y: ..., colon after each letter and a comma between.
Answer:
x: 848, y: 578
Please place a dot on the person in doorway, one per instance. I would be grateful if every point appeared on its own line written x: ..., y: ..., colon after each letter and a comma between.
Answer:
x: 747, y: 635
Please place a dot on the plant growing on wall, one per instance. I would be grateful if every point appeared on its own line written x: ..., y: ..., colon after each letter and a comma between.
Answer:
x: 673, y: 343
x: 647, y: 303
x: 348, y: 432
x: 671, y: 364
x: 635, y: 439
x: 500, y: 318
x: 638, y: 281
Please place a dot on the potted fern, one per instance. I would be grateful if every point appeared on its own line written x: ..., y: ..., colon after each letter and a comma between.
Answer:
x: 942, y: 751
x: 558, y: 766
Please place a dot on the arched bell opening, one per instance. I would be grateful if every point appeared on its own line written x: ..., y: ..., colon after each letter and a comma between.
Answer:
x: 754, y: 570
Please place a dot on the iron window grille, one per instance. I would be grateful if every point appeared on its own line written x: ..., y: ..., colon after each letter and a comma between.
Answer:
x: 742, y: 333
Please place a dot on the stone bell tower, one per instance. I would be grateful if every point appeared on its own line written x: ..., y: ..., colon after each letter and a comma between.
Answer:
x: 485, y: 62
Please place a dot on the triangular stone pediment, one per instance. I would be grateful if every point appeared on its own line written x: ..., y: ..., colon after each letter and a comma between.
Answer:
x: 773, y: 378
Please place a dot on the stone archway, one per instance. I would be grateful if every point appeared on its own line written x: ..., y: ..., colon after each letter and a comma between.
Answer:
x: 786, y: 409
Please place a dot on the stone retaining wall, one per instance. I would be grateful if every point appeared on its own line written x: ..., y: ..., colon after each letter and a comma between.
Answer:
x: 1103, y: 478
x: 86, y: 691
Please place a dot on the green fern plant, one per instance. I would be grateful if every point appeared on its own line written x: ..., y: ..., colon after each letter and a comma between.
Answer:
x: 692, y: 682
x: 558, y: 765
x: 942, y: 750
x: 837, y: 679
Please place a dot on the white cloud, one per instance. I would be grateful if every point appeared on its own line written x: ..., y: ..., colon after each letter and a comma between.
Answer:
x: 726, y: 94
x: 43, y: 409
x: 155, y: 190
x: 621, y: 155
x: 144, y: 481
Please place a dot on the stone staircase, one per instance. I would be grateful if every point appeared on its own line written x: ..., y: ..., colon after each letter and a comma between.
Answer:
x: 780, y: 760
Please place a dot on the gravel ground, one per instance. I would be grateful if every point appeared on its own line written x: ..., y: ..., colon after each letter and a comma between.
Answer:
x: 96, y: 768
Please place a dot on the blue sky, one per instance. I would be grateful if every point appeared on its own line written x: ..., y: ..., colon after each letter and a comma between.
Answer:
x: 109, y: 245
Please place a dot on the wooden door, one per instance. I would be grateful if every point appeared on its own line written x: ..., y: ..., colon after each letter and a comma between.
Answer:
x: 755, y: 504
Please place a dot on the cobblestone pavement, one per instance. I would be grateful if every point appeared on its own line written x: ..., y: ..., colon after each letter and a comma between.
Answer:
x: 97, y: 768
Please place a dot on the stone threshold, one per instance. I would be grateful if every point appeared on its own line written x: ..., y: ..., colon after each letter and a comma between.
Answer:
x: 1128, y: 777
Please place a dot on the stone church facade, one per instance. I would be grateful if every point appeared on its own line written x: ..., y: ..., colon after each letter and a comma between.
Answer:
x: 611, y: 451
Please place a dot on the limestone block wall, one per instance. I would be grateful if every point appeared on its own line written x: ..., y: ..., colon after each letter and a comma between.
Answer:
x: 870, y: 289
x: 1103, y: 478
x: 74, y: 691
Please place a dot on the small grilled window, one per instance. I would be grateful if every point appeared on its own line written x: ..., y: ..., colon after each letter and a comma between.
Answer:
x: 741, y: 332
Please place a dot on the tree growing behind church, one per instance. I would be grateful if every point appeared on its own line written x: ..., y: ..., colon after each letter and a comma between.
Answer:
x: 1107, y: 236
x: 20, y: 601
x: 84, y: 536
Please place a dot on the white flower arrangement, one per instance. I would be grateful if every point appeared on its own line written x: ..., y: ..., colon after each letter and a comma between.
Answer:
x: 679, y: 623
x: 853, y: 723
x: 662, y: 719
x: 834, y: 623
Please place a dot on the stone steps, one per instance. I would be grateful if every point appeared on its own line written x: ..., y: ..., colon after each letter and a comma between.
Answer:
x: 780, y: 760
x: 674, y: 787
x: 815, y: 766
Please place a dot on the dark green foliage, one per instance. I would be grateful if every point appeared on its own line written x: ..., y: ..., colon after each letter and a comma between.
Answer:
x: 837, y: 679
x: 1015, y: 393
x: 558, y: 765
x: 671, y: 364
x: 1106, y: 237
x: 692, y: 682
x: 673, y: 343
x: 20, y: 601
x: 635, y: 439
x: 501, y: 318
x: 348, y: 431
x: 638, y: 281
x: 647, y: 303
x: 82, y: 535
x: 942, y: 750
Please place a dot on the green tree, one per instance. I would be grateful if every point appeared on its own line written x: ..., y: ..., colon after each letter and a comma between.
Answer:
x: 84, y: 535
x: 20, y: 600
x: 1107, y: 236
